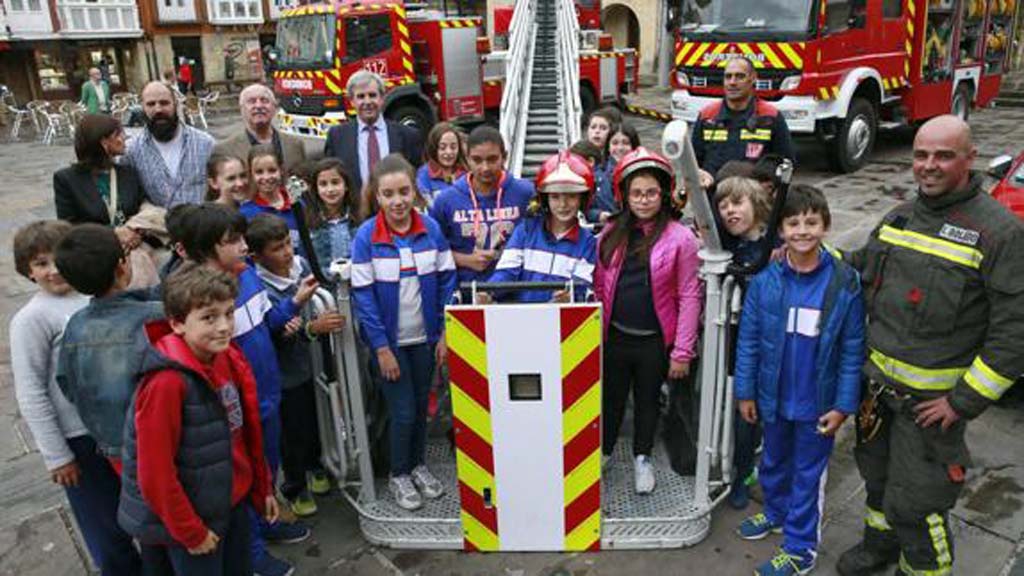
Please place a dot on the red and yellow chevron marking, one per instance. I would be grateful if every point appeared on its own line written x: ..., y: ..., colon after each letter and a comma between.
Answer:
x: 460, y: 23
x: 649, y: 112
x: 908, y: 45
x: 600, y: 55
x: 471, y: 418
x: 581, y: 426
x: 828, y: 92
x: 771, y: 55
x: 894, y: 83
x: 406, y: 45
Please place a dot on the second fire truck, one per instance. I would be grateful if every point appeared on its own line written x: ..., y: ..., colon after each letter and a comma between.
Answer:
x: 840, y: 70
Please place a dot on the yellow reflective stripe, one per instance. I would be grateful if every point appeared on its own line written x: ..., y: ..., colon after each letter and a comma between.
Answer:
x: 716, y: 135
x: 964, y: 255
x: 915, y: 376
x: 986, y: 381
x: 832, y: 250
x: 908, y: 570
x: 760, y: 134
x: 937, y: 530
x: 876, y: 519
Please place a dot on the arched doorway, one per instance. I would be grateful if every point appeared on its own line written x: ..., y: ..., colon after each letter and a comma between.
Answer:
x: 621, y: 22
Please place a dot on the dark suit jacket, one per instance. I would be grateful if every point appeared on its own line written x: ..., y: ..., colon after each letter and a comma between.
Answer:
x: 292, y: 147
x: 78, y: 200
x: 343, y: 144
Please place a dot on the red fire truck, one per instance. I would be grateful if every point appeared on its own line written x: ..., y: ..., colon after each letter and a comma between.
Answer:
x: 841, y: 69
x: 433, y: 65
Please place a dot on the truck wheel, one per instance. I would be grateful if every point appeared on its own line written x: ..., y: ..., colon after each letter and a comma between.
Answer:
x: 587, y: 99
x: 856, y: 138
x: 961, y: 107
x: 413, y: 117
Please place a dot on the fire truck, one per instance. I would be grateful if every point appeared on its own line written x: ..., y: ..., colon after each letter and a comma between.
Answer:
x: 432, y: 64
x: 840, y: 70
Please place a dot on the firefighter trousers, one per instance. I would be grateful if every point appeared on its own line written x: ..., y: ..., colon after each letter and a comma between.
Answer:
x: 913, y: 477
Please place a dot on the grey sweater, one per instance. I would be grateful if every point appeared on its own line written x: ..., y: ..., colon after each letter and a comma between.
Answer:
x: 36, y: 333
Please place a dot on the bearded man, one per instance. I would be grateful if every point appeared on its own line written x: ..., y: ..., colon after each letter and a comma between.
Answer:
x: 169, y: 156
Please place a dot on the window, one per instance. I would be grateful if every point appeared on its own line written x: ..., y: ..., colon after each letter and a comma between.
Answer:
x: 845, y: 14
x: 892, y: 8
x: 238, y: 10
x: 367, y: 36
x: 17, y: 6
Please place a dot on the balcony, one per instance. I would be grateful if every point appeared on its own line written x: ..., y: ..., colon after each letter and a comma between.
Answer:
x: 27, y: 20
x: 98, y: 19
x: 176, y: 11
x: 233, y: 12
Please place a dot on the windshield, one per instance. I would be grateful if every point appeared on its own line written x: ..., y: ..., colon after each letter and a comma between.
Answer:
x: 306, y: 41
x: 745, y: 16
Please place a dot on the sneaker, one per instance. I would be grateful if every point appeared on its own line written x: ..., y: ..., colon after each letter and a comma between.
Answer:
x: 319, y: 483
x: 404, y: 492
x: 739, y: 496
x: 757, y: 527
x: 786, y: 564
x: 268, y: 565
x: 303, y: 504
x: 427, y: 484
x: 286, y: 532
x: 643, y: 475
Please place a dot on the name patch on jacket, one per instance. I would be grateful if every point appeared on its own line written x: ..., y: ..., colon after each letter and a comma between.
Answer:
x: 961, y: 235
x: 232, y: 405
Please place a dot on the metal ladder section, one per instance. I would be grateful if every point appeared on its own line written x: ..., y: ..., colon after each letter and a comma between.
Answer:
x: 540, y: 106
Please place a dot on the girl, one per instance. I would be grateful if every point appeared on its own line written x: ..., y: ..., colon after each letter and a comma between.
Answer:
x: 600, y: 126
x: 227, y: 180
x: 266, y: 177
x: 646, y: 280
x: 564, y: 185
x: 403, y: 273
x: 622, y: 140
x: 444, y: 161
x: 331, y: 208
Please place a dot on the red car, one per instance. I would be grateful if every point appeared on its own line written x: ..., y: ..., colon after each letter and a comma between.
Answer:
x: 1009, y: 191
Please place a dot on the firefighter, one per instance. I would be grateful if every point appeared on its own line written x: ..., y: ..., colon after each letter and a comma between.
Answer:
x: 944, y: 288
x: 740, y: 126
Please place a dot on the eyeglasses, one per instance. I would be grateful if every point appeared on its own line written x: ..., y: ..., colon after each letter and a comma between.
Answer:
x: 644, y: 195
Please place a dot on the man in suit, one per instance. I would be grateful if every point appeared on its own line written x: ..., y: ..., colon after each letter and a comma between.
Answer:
x: 360, y: 144
x: 96, y: 93
x: 258, y: 107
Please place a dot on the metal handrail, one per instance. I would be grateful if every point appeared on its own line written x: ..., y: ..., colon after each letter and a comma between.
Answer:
x: 569, y: 56
x: 516, y: 95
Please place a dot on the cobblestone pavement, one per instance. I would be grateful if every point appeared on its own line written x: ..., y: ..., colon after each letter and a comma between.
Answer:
x: 37, y: 536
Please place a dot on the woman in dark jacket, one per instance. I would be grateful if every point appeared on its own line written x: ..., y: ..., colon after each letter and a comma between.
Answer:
x: 94, y: 189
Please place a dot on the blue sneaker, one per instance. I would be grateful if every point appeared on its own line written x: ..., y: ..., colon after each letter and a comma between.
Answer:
x: 267, y: 565
x: 739, y: 495
x: 286, y: 532
x: 757, y: 527
x: 786, y: 564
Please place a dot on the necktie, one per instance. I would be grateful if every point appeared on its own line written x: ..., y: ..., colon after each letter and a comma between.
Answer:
x: 372, y: 149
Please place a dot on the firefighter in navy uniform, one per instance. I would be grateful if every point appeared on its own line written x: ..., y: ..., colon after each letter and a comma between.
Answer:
x: 740, y: 126
x: 944, y: 290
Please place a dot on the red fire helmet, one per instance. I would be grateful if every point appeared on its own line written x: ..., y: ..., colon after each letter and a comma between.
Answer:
x: 566, y: 172
x: 642, y: 159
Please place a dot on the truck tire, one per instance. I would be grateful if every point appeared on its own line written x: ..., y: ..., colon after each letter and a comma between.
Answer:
x: 856, y: 139
x: 961, y: 106
x: 412, y: 116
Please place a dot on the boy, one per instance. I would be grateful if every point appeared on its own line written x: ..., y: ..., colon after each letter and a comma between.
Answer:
x: 68, y: 451
x: 478, y: 213
x: 743, y: 210
x: 213, y: 234
x: 193, y: 447
x: 282, y: 272
x: 102, y: 353
x: 800, y: 352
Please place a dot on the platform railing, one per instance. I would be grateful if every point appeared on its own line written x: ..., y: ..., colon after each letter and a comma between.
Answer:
x: 568, y: 62
x: 516, y: 96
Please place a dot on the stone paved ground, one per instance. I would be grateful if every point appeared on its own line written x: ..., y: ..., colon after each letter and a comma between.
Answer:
x: 37, y: 536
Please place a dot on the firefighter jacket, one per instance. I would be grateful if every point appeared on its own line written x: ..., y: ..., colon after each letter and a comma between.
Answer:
x: 721, y: 134
x: 944, y: 291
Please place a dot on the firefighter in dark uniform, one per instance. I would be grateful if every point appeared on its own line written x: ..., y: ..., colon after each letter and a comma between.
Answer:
x: 740, y: 126
x: 944, y: 289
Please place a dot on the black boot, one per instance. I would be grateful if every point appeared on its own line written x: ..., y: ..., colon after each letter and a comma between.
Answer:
x: 876, y: 551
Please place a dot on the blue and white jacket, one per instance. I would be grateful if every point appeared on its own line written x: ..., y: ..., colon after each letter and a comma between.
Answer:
x: 376, y: 273
x: 255, y: 318
x: 533, y: 254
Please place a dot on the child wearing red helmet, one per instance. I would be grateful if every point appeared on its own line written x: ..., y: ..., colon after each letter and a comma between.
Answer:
x: 646, y: 280
x: 550, y: 245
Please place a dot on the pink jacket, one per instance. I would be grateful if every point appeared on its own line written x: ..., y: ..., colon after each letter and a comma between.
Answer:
x: 674, y: 285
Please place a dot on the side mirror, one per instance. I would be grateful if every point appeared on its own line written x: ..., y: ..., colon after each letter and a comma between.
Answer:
x: 999, y: 166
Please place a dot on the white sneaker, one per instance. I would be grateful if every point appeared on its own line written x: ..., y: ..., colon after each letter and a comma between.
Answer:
x: 404, y: 492
x: 428, y: 484
x: 643, y: 475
